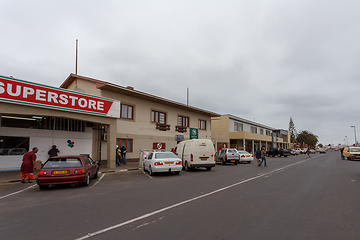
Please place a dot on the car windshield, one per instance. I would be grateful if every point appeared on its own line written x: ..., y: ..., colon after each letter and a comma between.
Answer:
x: 354, y: 149
x: 232, y: 151
x: 63, y: 163
x: 165, y: 155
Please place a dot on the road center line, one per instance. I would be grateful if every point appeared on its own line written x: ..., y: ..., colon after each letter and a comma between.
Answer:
x: 89, y: 235
x: 102, y: 176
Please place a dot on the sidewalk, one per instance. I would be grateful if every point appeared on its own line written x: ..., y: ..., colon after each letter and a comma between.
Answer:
x: 14, y: 176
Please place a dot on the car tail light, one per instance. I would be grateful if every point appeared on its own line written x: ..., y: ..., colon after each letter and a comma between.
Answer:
x: 178, y: 162
x: 158, y: 164
x: 252, y: 155
x: 242, y: 156
x: 79, y: 171
x: 225, y: 156
x: 191, y: 157
x: 41, y: 173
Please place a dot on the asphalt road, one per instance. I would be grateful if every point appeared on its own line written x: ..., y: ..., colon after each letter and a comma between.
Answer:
x: 292, y: 198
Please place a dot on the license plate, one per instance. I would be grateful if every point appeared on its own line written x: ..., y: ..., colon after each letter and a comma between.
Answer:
x: 60, y: 172
x: 169, y: 162
x: 357, y: 156
x: 233, y: 161
x: 203, y: 159
x: 247, y: 156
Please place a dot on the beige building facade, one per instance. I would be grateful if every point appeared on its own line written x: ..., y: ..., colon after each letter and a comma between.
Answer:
x: 229, y: 131
x: 146, y: 121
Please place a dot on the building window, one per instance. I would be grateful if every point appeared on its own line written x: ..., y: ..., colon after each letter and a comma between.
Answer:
x: 126, y: 111
x: 183, y: 121
x: 202, y: 124
x: 253, y: 129
x: 268, y: 133
x: 128, y: 143
x: 238, y: 127
x: 158, y: 117
x: 261, y: 131
x: 14, y: 145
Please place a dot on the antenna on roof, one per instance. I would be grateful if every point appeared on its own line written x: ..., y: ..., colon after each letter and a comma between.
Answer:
x: 187, y: 97
x: 76, y: 57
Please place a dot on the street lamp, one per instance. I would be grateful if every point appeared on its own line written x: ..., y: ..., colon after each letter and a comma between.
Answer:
x: 355, y: 135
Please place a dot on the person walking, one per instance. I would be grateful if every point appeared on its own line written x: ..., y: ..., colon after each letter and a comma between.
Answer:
x: 342, y: 155
x: 28, y: 165
x: 308, y: 153
x: 123, y: 154
x: 258, y: 156
x: 53, y: 151
x: 118, y: 154
x: 263, y: 157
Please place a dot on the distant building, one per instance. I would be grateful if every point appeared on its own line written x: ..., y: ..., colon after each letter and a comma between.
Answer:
x: 235, y: 132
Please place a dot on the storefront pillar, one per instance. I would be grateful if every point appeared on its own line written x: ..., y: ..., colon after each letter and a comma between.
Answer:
x: 111, y: 145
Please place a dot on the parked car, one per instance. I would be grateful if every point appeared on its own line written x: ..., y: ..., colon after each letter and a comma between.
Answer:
x: 295, y: 152
x: 312, y: 151
x: 228, y: 155
x: 322, y: 150
x: 275, y: 152
x: 302, y: 150
x: 162, y: 162
x: 196, y: 153
x: 245, y: 156
x: 352, y: 153
x: 287, y: 152
x: 67, y: 169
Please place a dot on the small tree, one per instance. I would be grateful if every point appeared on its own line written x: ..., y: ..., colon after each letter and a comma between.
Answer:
x: 292, y: 130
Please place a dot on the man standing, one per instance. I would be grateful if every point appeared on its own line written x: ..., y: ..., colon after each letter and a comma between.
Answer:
x: 28, y: 165
x: 258, y: 156
x: 263, y: 157
x: 123, y: 154
x: 118, y: 154
x: 53, y: 151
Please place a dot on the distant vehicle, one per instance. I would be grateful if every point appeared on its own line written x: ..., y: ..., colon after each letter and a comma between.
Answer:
x: 246, y: 156
x: 196, y: 153
x: 312, y: 151
x: 275, y: 152
x: 162, y: 162
x: 352, y: 153
x: 67, y: 169
x: 303, y: 150
x: 228, y: 155
x: 287, y: 152
x: 295, y: 152
x: 322, y: 150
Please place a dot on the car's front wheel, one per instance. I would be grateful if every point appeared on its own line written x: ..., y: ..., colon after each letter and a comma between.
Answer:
x: 151, y: 173
x: 96, y: 174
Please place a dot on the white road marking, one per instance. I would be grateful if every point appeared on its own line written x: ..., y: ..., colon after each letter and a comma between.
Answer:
x: 147, y: 174
x: 102, y: 176
x: 89, y: 235
x: 18, y: 192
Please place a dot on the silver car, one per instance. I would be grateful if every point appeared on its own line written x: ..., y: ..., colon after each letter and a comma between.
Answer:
x: 228, y: 155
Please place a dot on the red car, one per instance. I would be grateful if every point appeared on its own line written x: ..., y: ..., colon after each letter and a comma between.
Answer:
x: 67, y: 169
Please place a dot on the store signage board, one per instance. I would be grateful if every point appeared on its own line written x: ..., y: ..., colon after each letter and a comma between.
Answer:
x: 38, y: 95
x: 194, y: 133
x: 159, y: 146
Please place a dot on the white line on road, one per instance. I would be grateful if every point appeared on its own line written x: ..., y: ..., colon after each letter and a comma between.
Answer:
x: 102, y: 176
x: 18, y: 192
x: 89, y: 235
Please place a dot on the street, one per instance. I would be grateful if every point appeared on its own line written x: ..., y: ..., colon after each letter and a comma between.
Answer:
x: 291, y: 198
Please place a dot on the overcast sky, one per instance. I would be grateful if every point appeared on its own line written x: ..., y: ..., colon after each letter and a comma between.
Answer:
x: 262, y: 60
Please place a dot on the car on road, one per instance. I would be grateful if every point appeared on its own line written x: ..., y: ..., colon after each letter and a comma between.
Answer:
x: 275, y: 152
x: 245, y: 156
x: 312, y: 151
x: 67, y: 170
x: 228, y: 155
x: 287, y: 152
x: 322, y: 150
x: 162, y: 162
x: 295, y: 152
x: 352, y: 153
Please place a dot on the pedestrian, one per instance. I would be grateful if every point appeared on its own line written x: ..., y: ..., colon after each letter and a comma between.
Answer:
x: 342, y: 155
x: 118, y: 154
x: 53, y: 151
x: 28, y: 165
x: 123, y: 154
x: 263, y: 157
x: 308, y: 153
x: 258, y: 156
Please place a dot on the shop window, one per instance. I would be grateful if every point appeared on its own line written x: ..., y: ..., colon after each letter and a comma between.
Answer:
x: 202, y: 124
x: 158, y: 117
x: 183, y: 121
x: 14, y: 145
x: 128, y: 143
x: 126, y: 111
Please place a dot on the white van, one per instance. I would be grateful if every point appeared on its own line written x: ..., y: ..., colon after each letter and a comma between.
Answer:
x: 196, y: 153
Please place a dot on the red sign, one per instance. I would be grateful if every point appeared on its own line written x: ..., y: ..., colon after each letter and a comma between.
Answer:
x: 18, y: 91
x: 159, y: 146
